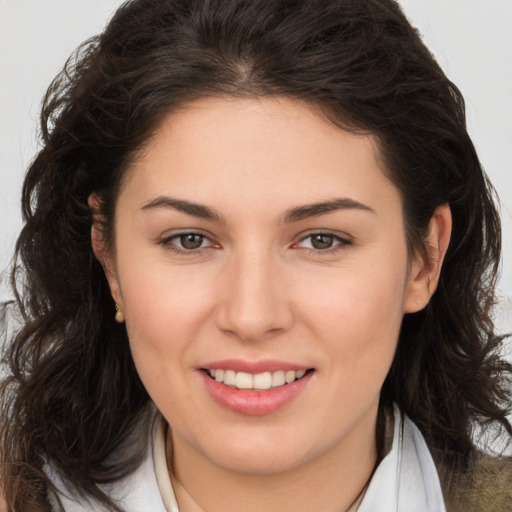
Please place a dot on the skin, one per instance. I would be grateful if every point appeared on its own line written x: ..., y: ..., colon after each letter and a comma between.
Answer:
x: 257, y: 289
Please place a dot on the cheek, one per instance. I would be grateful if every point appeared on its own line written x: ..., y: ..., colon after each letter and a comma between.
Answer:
x: 358, y: 314
x: 369, y: 300
x: 159, y: 297
x: 162, y: 309
x: 165, y: 311
x: 161, y: 327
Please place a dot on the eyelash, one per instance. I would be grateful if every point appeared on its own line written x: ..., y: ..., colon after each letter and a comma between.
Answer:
x: 168, y: 243
x: 340, y: 243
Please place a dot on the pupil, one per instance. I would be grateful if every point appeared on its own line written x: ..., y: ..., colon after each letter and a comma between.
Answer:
x: 321, y: 241
x: 191, y: 241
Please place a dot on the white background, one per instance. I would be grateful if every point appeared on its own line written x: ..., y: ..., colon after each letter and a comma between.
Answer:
x: 472, y: 39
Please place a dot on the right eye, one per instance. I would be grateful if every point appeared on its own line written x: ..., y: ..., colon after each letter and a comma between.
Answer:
x: 190, y: 241
x: 186, y: 243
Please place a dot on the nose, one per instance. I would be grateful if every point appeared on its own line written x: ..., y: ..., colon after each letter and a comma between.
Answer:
x: 254, y: 303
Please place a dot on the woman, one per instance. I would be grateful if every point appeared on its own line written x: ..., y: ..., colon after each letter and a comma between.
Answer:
x: 256, y: 273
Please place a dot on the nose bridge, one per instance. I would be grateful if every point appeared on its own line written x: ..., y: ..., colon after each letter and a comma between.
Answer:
x: 254, y: 302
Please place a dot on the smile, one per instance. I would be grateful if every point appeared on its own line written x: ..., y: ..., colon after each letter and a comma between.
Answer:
x: 258, y: 382
x: 255, y: 388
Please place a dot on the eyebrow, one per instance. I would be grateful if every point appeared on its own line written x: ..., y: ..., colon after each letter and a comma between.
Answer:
x: 188, y: 207
x: 317, y: 209
x: 294, y: 215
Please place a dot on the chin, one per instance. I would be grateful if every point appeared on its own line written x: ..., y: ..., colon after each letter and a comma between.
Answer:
x: 257, y: 463
x: 264, y: 454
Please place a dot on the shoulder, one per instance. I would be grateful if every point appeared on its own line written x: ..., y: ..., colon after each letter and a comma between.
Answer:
x: 137, y: 491
x: 487, y: 487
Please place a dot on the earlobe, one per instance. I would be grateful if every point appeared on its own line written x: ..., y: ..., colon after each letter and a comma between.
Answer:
x: 425, y: 270
x: 101, y: 249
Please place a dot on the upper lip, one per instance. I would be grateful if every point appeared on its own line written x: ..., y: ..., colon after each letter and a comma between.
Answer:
x: 254, y: 367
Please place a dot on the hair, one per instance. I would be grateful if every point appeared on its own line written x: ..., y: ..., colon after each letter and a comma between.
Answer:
x: 72, y: 395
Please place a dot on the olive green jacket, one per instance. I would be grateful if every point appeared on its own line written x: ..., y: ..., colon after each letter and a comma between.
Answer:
x: 488, y: 488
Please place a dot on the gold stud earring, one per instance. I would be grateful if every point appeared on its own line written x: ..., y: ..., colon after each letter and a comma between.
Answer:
x: 119, y: 316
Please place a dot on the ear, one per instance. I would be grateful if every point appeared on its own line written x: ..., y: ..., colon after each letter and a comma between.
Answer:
x: 101, y: 250
x: 425, y: 270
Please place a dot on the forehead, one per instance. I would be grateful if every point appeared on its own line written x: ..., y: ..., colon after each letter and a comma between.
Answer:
x: 217, y: 149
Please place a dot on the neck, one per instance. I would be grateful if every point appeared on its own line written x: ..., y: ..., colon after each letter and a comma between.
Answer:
x: 331, y: 482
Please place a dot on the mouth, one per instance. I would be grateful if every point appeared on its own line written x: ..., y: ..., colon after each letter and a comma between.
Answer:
x: 255, y: 388
x: 256, y: 382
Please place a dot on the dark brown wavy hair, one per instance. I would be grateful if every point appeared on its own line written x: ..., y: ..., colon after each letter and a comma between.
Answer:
x: 72, y: 396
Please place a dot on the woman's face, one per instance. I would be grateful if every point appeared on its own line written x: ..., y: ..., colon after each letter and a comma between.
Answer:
x: 255, y: 244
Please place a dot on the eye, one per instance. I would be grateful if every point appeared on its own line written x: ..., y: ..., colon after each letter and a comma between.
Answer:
x: 186, y: 243
x: 323, y: 242
x: 190, y: 241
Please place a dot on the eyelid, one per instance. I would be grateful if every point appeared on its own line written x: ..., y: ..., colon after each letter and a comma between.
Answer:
x: 343, y: 240
x: 167, y: 241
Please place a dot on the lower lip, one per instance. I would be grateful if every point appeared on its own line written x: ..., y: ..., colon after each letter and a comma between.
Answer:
x: 254, y: 403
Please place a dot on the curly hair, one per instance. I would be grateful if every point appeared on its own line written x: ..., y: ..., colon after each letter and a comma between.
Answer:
x: 72, y: 395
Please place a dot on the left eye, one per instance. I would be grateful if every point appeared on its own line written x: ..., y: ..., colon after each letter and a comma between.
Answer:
x: 322, y: 241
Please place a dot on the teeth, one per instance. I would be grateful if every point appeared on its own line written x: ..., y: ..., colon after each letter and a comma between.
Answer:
x: 243, y: 380
x: 278, y: 378
x: 229, y: 377
x: 290, y: 376
x: 262, y: 381
x: 259, y: 381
